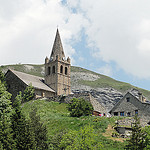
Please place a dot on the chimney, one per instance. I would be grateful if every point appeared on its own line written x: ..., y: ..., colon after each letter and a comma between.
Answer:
x: 140, y: 97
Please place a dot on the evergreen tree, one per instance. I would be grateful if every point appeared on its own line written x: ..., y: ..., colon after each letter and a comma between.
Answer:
x: 79, y: 107
x: 40, y: 131
x: 2, y: 76
x: 6, y: 139
x: 137, y: 140
x: 147, y: 131
x: 22, y: 131
x: 28, y: 93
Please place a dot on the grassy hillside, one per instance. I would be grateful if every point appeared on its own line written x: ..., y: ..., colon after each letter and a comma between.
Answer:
x: 101, y: 82
x: 57, y: 119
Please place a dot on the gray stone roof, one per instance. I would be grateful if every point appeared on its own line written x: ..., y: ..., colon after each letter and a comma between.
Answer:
x: 57, y: 48
x: 37, y: 82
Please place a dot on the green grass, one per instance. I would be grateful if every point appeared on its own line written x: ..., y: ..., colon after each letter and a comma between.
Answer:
x: 57, y: 119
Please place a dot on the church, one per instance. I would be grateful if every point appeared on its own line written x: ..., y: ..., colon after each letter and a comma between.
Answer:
x: 56, y: 80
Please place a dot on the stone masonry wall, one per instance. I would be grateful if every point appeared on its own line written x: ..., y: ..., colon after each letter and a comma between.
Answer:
x: 14, y: 84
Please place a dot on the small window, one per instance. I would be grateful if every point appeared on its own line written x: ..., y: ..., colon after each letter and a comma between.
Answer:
x: 121, y: 113
x: 49, y: 70
x: 136, y: 112
x: 128, y: 99
x: 129, y: 114
x: 53, y: 70
x: 115, y: 113
x: 66, y: 70
x: 61, y: 69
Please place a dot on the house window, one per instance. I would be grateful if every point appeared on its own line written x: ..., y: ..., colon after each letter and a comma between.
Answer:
x: 115, y: 113
x: 66, y: 70
x: 136, y: 112
x: 53, y: 70
x: 121, y: 113
x: 49, y: 70
x: 128, y: 99
x: 61, y: 69
x: 129, y: 114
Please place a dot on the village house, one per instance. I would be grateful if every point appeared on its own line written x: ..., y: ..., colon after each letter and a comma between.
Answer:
x: 131, y: 105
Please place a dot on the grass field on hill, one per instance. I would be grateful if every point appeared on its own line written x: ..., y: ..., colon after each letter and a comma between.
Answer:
x: 57, y: 119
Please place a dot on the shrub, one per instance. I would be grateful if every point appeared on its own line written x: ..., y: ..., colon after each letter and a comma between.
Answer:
x: 84, y: 139
x: 79, y: 107
x: 28, y: 93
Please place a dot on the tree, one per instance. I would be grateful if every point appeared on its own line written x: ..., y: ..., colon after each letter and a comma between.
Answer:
x: 6, y: 139
x: 2, y: 76
x: 28, y: 93
x: 79, y: 107
x: 84, y: 139
x: 137, y: 140
x: 147, y: 139
x: 22, y: 131
x: 39, y: 130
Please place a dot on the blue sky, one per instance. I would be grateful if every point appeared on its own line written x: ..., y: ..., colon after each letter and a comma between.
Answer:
x: 108, y: 37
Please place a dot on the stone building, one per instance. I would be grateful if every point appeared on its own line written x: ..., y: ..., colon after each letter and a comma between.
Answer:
x: 130, y: 105
x: 56, y: 80
x: 18, y: 81
x: 57, y: 69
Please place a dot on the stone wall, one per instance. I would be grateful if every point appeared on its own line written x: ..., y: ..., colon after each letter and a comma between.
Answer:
x: 60, y: 79
x: 14, y: 84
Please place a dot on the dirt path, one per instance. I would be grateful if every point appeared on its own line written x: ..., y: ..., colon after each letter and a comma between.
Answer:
x: 109, y: 132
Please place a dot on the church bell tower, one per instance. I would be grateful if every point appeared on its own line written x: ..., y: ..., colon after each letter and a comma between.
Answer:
x: 57, y: 69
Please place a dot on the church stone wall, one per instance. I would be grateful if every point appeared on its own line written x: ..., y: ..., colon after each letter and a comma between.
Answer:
x: 14, y: 84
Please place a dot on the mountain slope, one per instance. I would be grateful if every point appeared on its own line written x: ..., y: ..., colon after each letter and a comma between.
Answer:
x: 105, y: 89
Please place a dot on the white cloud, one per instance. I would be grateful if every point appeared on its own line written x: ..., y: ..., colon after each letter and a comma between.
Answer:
x: 120, y: 32
x: 28, y: 27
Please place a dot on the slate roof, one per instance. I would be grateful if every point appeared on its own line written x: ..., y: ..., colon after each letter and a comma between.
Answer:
x: 37, y: 82
x: 57, y: 48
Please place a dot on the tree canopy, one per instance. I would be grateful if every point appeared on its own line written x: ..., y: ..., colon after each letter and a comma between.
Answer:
x: 79, y: 107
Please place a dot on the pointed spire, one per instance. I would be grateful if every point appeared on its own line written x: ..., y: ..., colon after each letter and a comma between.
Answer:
x: 57, y: 49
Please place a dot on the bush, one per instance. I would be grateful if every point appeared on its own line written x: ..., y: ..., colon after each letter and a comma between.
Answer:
x: 28, y: 93
x: 84, y: 139
x: 79, y: 107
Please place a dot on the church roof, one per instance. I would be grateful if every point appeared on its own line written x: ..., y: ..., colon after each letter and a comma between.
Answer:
x: 37, y: 82
x: 57, y: 48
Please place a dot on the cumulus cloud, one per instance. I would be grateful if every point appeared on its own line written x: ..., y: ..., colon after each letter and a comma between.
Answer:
x: 120, y: 32
x: 28, y: 28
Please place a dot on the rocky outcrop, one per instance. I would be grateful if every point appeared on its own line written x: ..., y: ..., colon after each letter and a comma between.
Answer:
x: 108, y: 97
x: 105, y: 96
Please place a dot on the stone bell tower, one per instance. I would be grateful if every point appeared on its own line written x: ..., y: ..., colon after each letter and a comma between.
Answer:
x: 57, y: 69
